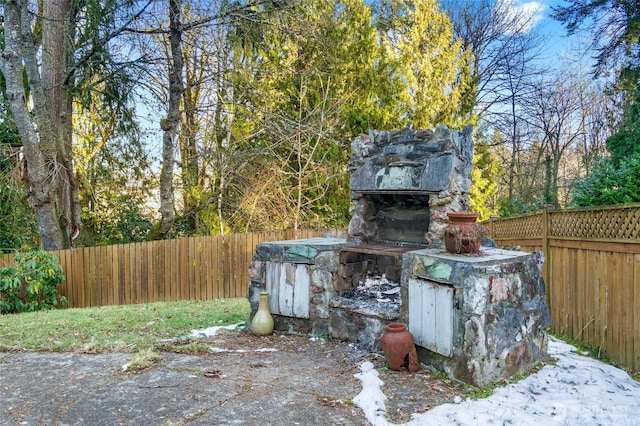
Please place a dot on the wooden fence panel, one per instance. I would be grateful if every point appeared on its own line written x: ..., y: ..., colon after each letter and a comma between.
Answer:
x: 158, y: 271
x: 593, y: 272
x: 207, y: 266
x: 627, y: 310
x: 636, y: 311
x: 183, y: 269
x: 102, y: 283
x: 234, y: 265
x: 603, y: 291
x: 137, y: 277
x: 216, y: 269
x: 129, y: 270
x: 170, y: 268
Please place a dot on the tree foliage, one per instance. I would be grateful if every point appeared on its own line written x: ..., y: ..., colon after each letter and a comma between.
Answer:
x: 616, y: 179
x: 114, y: 177
x: 259, y: 100
x: 18, y: 229
x: 52, y: 56
x: 434, y: 62
x: 317, y: 74
x: 300, y: 87
x: 615, y: 29
x: 625, y: 142
x: 609, y: 184
x: 30, y: 284
x: 484, y: 173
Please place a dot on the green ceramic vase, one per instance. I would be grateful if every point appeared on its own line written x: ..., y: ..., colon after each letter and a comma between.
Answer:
x: 262, y: 323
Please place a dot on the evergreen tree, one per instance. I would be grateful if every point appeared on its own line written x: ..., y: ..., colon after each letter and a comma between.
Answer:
x: 615, y: 180
x: 625, y: 142
x: 614, y: 27
x: 484, y: 187
x: 113, y: 172
x: 608, y: 184
x: 431, y: 61
x: 306, y: 82
x: 61, y: 49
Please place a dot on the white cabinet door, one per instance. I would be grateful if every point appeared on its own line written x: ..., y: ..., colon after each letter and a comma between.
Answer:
x: 431, y: 315
x: 288, y: 285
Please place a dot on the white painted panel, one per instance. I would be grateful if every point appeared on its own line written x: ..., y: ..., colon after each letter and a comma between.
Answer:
x: 285, y: 296
x: 301, y: 291
x: 444, y: 320
x: 288, y: 285
x: 272, y: 284
x: 415, y: 306
x: 431, y: 316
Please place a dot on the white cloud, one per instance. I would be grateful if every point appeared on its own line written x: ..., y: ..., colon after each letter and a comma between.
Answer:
x: 524, y: 16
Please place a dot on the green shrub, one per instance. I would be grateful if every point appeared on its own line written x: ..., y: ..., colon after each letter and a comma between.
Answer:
x: 31, y: 283
x: 610, y: 184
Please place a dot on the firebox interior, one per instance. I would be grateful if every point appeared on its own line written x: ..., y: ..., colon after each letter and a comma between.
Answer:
x: 400, y: 218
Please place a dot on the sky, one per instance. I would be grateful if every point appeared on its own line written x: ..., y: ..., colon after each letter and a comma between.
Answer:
x: 558, y: 42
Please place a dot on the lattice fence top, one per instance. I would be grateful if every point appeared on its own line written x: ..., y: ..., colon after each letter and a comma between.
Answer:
x: 612, y: 222
x: 619, y: 222
x: 526, y: 226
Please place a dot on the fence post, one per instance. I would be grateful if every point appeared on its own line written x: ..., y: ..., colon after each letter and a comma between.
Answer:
x: 492, y: 233
x: 546, y: 250
x: 289, y: 234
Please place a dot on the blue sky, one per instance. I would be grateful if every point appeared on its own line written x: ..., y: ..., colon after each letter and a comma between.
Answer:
x: 558, y: 42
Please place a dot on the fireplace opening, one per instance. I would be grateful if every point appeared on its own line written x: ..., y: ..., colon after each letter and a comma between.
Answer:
x: 397, y: 218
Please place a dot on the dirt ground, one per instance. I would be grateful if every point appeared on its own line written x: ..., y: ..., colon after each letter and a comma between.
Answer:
x: 247, y: 380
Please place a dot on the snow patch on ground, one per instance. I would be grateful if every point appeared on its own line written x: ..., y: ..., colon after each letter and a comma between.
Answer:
x: 211, y: 331
x: 371, y: 399
x: 577, y: 390
x: 221, y: 350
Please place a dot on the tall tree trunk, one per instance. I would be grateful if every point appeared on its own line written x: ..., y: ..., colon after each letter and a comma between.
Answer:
x: 44, y: 161
x: 171, y: 123
x: 514, y: 148
x: 191, y: 191
x: 56, y: 61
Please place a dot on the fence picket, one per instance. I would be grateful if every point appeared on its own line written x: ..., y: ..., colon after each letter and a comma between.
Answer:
x: 636, y: 313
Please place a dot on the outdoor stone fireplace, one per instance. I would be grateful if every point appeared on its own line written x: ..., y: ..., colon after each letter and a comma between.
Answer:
x: 404, y: 182
x: 478, y: 318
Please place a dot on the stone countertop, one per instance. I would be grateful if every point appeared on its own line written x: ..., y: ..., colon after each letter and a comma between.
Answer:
x: 443, y: 267
x: 321, y: 243
x: 487, y: 254
x: 299, y: 251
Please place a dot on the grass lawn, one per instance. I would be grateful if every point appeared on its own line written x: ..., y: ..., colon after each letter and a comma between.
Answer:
x: 133, y: 328
x: 116, y: 328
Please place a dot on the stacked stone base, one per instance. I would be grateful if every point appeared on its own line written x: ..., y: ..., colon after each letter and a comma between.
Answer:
x: 477, y: 318
x: 491, y: 313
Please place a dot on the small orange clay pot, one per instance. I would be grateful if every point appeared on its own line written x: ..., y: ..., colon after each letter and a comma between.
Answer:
x: 399, y: 348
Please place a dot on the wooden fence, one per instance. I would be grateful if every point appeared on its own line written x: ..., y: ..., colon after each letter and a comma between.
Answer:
x: 592, y: 272
x: 170, y: 270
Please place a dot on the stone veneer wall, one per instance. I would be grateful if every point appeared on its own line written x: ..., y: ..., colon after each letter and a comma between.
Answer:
x: 486, y: 314
x: 497, y: 318
x: 319, y: 257
x: 420, y: 162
